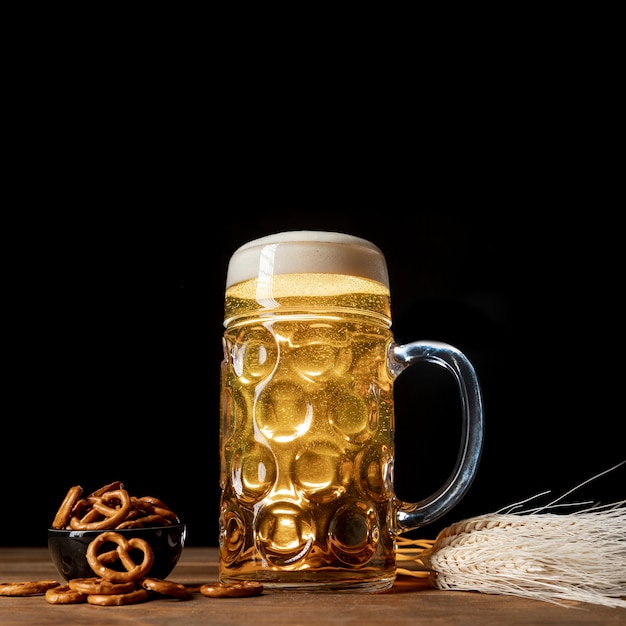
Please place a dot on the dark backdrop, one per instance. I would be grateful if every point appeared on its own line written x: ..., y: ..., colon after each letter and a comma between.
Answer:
x: 114, y: 350
x: 484, y: 168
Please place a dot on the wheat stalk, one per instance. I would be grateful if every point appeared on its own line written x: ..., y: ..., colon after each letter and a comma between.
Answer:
x: 555, y: 557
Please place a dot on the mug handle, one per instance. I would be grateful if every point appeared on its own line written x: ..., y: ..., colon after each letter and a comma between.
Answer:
x: 412, y: 515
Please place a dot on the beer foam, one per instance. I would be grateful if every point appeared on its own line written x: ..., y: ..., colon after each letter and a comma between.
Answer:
x: 307, y: 251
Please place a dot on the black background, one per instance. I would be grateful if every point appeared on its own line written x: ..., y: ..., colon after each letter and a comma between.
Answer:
x: 489, y: 184
x: 115, y: 349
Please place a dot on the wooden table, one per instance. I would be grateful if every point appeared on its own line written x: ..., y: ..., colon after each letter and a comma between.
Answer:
x: 410, y: 601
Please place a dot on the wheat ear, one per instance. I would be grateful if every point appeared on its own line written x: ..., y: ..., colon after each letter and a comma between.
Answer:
x: 554, y: 557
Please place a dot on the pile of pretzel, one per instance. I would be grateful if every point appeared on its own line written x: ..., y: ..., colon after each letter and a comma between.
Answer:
x: 111, y: 586
x: 131, y: 585
x: 111, y: 507
x: 119, y: 579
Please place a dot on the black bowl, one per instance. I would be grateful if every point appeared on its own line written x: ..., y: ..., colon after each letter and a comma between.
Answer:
x: 68, y: 548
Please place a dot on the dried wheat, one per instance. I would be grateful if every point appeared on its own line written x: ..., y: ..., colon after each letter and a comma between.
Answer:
x: 578, y: 556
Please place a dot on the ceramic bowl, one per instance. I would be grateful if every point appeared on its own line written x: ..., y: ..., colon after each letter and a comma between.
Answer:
x: 68, y: 549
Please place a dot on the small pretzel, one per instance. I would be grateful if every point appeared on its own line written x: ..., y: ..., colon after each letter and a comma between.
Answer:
x: 30, y: 588
x: 64, y: 513
x: 241, y: 589
x: 155, y: 502
x: 84, y: 513
x: 64, y: 594
x: 118, y: 599
x: 147, y: 505
x: 142, y: 522
x: 99, y: 586
x: 110, y: 487
x: 107, y: 508
x: 111, y: 516
x: 133, y: 570
x: 165, y: 587
x: 160, y: 508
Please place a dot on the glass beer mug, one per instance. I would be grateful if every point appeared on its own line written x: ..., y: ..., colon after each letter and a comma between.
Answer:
x: 307, y: 417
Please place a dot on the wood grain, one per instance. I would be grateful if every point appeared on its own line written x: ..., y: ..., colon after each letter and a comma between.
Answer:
x: 410, y: 601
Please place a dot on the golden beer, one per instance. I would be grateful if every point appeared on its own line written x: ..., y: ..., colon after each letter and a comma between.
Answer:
x: 307, y: 433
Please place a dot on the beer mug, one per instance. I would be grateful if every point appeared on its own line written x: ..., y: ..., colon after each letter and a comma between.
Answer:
x: 307, y: 417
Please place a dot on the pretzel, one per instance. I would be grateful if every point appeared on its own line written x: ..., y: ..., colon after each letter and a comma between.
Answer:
x: 118, y: 599
x: 30, y: 588
x: 64, y: 594
x: 64, y: 513
x: 99, y: 586
x: 133, y: 571
x: 155, y: 502
x: 142, y: 522
x: 106, y: 508
x: 242, y: 589
x: 111, y: 516
x: 165, y: 587
x: 152, y: 506
x: 110, y: 487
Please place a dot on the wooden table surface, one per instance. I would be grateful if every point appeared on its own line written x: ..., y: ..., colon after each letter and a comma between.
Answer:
x: 410, y: 601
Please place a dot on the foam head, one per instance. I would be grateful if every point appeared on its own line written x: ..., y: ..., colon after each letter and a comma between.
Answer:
x: 307, y: 251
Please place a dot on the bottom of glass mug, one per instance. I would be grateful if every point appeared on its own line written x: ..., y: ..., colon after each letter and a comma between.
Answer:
x: 300, y: 582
